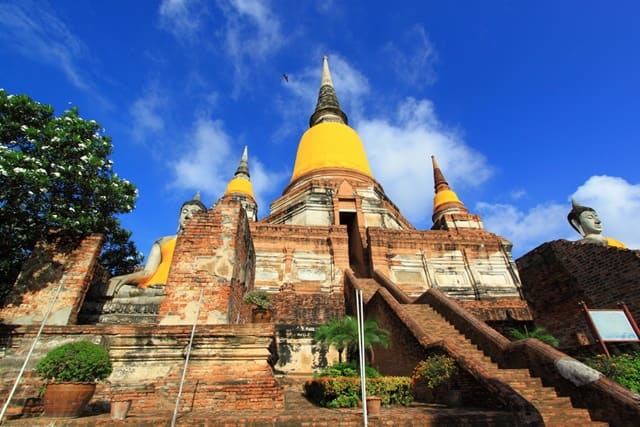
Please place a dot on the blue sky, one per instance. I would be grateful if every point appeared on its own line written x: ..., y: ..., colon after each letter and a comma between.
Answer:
x: 524, y: 104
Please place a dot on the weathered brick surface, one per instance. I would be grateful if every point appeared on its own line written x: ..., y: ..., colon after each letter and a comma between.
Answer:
x: 300, y: 258
x: 214, y: 254
x: 228, y: 366
x: 464, y: 263
x: 558, y: 275
x: 69, y: 264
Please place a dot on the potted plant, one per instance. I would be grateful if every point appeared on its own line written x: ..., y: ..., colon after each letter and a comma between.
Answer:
x: 71, y: 372
x: 438, y: 372
x: 260, y: 301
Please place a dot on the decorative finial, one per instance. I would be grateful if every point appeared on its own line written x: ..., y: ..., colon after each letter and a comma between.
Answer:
x: 439, y: 181
x: 328, y: 108
x: 197, y: 196
x: 445, y: 200
x: 326, y: 75
x: 243, y: 167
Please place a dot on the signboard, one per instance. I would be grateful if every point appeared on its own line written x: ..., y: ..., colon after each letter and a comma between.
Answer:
x: 613, y: 325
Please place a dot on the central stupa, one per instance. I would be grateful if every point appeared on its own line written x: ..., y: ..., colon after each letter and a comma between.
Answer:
x: 332, y: 183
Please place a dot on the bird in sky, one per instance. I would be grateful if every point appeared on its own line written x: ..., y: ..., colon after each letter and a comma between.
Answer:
x: 286, y: 78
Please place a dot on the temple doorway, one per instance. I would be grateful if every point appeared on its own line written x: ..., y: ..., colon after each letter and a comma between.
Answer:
x: 357, y: 255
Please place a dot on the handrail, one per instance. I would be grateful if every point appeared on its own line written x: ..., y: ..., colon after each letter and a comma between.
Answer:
x: 186, y: 360
x: 33, y: 346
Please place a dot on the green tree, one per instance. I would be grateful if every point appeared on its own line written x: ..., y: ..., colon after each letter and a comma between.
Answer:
x: 538, y: 332
x: 343, y: 334
x: 55, y: 175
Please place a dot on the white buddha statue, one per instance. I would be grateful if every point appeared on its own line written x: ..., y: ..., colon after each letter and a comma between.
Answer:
x: 585, y: 221
x: 156, y: 269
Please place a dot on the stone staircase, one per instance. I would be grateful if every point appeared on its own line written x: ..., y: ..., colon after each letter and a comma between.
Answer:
x: 555, y: 410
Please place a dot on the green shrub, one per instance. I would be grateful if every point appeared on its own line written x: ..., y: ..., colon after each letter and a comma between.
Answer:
x: 344, y: 392
x: 347, y: 369
x: 623, y: 369
x: 80, y: 361
x: 437, y: 370
x: 258, y: 298
x: 539, y: 333
x: 392, y: 390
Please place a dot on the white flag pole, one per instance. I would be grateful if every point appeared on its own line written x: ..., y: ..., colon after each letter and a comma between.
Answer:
x: 363, y: 378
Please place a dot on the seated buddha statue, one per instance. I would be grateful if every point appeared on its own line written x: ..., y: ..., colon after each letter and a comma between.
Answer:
x: 156, y: 269
x: 585, y: 221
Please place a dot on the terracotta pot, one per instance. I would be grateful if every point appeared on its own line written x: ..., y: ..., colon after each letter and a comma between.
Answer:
x: 119, y: 409
x: 67, y: 399
x: 374, y: 404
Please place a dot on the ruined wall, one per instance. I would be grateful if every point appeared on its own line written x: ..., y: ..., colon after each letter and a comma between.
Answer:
x: 228, y: 365
x: 214, y: 254
x: 462, y: 263
x: 69, y: 263
x: 302, y: 269
x: 557, y: 275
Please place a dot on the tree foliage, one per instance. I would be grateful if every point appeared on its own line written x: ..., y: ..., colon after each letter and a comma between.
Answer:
x: 55, y: 175
x: 343, y: 334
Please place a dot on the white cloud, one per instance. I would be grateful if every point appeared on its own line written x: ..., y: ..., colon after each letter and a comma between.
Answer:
x: 414, y: 59
x: 147, y: 115
x: 202, y: 167
x: 264, y: 182
x: 36, y: 32
x: 399, y: 150
x: 211, y: 160
x: 526, y: 230
x: 181, y: 17
x: 252, y: 33
x: 350, y: 84
x: 616, y: 201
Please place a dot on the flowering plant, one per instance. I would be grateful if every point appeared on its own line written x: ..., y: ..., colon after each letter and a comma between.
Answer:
x: 436, y: 370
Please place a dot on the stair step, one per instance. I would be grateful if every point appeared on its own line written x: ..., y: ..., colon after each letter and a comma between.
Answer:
x: 555, y: 410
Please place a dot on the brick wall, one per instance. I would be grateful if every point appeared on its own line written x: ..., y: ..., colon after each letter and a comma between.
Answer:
x: 70, y: 263
x: 214, y: 254
x: 557, y: 275
x: 228, y: 368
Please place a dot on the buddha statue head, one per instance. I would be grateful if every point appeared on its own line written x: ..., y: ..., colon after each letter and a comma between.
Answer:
x: 188, y: 209
x: 585, y: 221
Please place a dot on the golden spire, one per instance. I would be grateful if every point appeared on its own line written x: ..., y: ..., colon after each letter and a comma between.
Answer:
x: 241, y: 182
x: 445, y: 200
x: 329, y: 142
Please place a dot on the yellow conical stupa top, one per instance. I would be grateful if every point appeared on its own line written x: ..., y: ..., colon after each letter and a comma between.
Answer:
x: 445, y: 200
x: 241, y: 182
x: 329, y: 142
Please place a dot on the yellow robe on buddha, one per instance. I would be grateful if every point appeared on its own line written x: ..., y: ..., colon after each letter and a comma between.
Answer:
x: 162, y: 272
x: 617, y: 243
